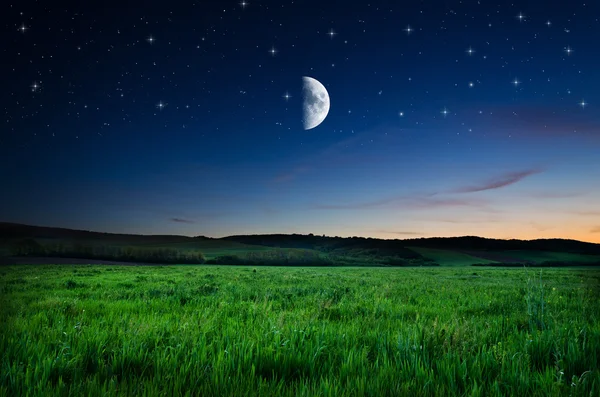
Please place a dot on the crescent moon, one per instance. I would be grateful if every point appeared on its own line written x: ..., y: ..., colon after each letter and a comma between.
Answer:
x: 316, y: 102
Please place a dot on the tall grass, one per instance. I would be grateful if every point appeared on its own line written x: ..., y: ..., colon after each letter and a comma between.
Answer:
x: 232, y: 331
x: 535, y: 302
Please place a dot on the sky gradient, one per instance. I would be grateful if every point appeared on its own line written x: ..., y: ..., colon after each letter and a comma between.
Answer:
x: 446, y: 119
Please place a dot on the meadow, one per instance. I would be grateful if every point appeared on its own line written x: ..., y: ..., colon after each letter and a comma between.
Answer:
x: 310, y: 331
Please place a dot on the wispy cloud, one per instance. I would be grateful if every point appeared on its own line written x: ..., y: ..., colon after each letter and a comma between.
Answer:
x: 586, y: 213
x: 361, y: 205
x: 407, y: 202
x: 463, y: 221
x: 433, y: 200
x: 595, y: 230
x: 426, y: 203
x: 498, y: 182
x: 556, y: 195
x: 401, y: 233
x: 181, y: 220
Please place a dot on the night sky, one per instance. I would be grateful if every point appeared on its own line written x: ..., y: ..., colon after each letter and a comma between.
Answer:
x: 447, y: 118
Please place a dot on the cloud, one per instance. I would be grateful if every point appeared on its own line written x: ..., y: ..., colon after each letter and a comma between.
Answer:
x: 433, y: 200
x: 498, y: 182
x: 401, y: 233
x: 462, y: 221
x: 587, y: 213
x: 407, y: 202
x: 362, y: 205
x: 426, y: 203
x: 556, y: 195
x: 181, y: 220
x: 595, y: 230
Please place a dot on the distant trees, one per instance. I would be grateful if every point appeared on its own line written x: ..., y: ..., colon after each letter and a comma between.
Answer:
x: 27, y: 247
x: 31, y: 247
x: 279, y: 257
x: 301, y: 257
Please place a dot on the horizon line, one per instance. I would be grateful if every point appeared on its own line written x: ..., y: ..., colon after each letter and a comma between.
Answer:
x: 291, y: 234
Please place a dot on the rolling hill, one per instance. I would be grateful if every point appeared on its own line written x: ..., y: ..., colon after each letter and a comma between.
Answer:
x: 451, y: 251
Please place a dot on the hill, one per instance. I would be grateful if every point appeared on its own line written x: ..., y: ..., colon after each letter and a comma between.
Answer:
x: 296, y: 248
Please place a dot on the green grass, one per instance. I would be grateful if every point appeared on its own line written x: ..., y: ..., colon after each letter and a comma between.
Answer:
x: 233, y: 331
x: 449, y: 258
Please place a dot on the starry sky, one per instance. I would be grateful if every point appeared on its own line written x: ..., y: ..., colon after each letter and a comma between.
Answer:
x: 447, y: 118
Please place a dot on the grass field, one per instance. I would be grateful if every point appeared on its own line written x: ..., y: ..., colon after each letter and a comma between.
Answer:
x: 233, y: 331
x: 450, y: 258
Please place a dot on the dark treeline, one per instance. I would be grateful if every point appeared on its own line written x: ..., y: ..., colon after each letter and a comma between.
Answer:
x: 362, y: 246
x: 356, y: 246
x: 487, y: 244
x: 300, y: 257
x: 30, y: 247
x: 397, y: 247
x: 275, y: 257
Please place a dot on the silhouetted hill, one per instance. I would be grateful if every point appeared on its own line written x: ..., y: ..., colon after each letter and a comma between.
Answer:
x: 359, y: 245
x: 466, y: 243
x: 487, y: 244
x: 20, y: 231
x: 446, y: 251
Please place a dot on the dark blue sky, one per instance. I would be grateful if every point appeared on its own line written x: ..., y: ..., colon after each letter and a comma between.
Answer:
x: 447, y: 118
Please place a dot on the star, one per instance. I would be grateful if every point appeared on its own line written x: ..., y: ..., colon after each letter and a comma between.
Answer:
x: 568, y: 50
x: 583, y: 103
x: 401, y: 114
x: 445, y: 112
x: 471, y: 84
x: 331, y: 33
x: 520, y: 17
x: 161, y: 105
x: 516, y: 82
x: 548, y: 23
x: 470, y: 51
x: 35, y: 86
x: 150, y: 39
x: 273, y: 51
x: 408, y: 30
x: 287, y: 96
x: 22, y: 28
x: 244, y: 4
